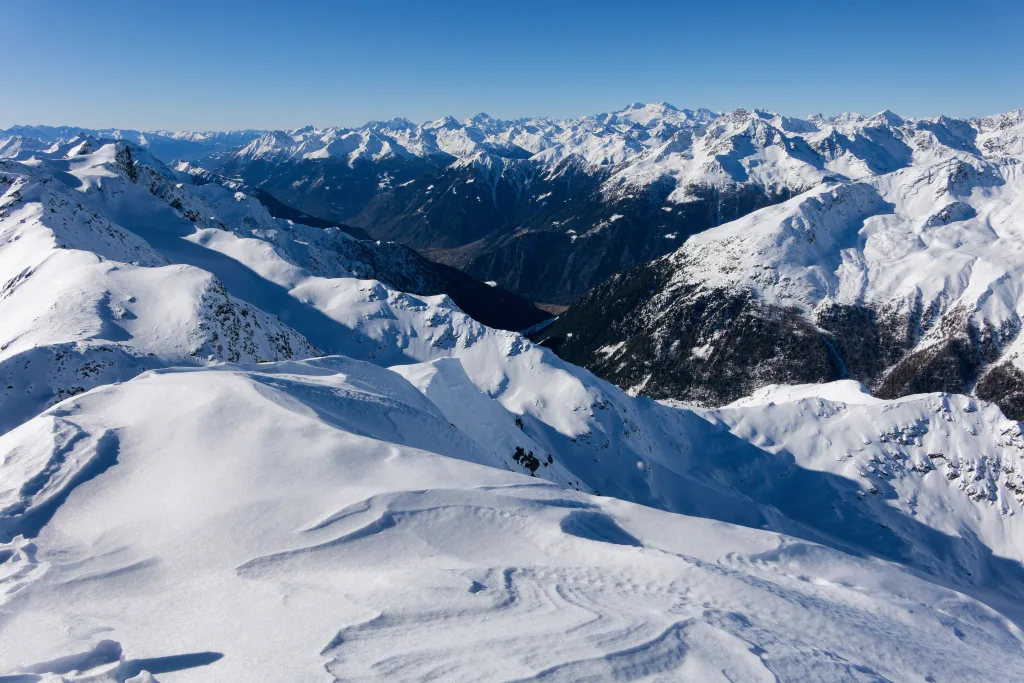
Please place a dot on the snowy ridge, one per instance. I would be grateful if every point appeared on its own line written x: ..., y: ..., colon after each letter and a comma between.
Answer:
x: 925, y: 454
x: 946, y: 240
x: 362, y: 555
x: 645, y: 144
x: 165, y: 145
x: 87, y: 302
x: 927, y: 213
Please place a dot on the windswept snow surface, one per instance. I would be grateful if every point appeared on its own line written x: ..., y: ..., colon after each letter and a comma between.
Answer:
x: 319, y: 520
x: 190, y: 513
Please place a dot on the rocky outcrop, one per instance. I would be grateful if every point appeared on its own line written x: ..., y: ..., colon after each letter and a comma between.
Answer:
x: 708, y: 348
x: 1004, y: 386
x: 713, y: 347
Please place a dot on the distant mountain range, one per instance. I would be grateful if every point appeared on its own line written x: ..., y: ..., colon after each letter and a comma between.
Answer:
x: 162, y: 144
x: 550, y: 208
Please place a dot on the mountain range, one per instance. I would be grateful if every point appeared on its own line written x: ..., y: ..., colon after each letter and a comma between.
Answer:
x: 236, y: 445
x: 550, y: 208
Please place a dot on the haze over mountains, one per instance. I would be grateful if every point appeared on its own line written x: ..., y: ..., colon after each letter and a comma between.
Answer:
x: 240, y: 442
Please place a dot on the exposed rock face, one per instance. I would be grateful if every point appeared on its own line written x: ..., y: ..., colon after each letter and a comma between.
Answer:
x: 544, y: 262
x: 712, y: 348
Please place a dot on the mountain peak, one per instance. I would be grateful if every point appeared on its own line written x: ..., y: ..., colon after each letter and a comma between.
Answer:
x: 889, y: 117
x: 447, y: 121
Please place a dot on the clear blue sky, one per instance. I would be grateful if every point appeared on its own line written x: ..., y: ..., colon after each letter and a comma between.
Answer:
x: 274, y: 64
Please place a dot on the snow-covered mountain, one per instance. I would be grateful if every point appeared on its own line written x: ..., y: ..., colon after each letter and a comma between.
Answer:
x: 397, y: 265
x: 86, y: 302
x: 550, y: 208
x: 190, y: 490
x: 162, y: 144
x: 910, y: 281
x: 320, y: 520
x: 111, y: 315
x: 514, y: 201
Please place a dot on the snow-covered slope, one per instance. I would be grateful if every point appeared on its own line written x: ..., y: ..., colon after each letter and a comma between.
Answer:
x: 933, y: 457
x: 86, y: 302
x: 85, y: 224
x: 325, y: 249
x: 320, y: 521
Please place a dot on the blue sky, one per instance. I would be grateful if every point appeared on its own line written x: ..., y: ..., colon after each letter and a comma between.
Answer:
x: 223, y: 64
